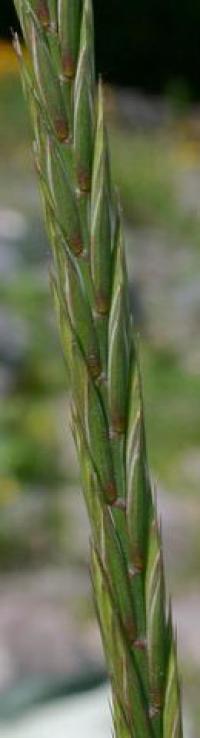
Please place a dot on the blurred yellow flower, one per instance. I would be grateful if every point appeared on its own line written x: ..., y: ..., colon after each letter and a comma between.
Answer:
x: 9, y: 63
x: 9, y: 489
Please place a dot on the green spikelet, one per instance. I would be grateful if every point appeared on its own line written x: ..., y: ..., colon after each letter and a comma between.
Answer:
x: 156, y: 626
x: 101, y: 258
x: 69, y: 19
x: 65, y: 206
x: 45, y: 10
x: 52, y: 4
x: 64, y: 326
x: 42, y: 11
x: 121, y: 729
x: 172, y: 718
x: 81, y: 317
x: 98, y: 442
x: 117, y: 572
x: 118, y: 364
x: 47, y: 82
x: 90, y: 291
x: 83, y: 124
x: 138, y: 485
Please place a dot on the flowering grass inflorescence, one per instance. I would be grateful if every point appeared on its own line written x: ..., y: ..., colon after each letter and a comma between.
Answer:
x: 90, y: 288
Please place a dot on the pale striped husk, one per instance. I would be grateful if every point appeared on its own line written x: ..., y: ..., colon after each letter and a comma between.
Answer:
x: 90, y: 289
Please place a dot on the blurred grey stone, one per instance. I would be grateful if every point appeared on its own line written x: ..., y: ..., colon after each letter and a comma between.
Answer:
x: 13, y: 225
x: 42, y: 629
x: 86, y: 715
x: 14, y: 335
x: 140, y: 111
x: 7, y: 379
x: 13, y: 231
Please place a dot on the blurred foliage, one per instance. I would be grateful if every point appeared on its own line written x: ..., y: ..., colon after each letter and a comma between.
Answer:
x: 12, y: 102
x: 31, y: 367
x: 172, y: 416
x: 145, y: 167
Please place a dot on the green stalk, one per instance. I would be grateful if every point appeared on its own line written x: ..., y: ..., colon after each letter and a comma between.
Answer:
x: 89, y: 285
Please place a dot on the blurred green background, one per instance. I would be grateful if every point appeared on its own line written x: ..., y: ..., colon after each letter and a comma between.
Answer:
x: 44, y: 582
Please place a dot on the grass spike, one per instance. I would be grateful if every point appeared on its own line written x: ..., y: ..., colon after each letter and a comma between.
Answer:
x: 90, y: 290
